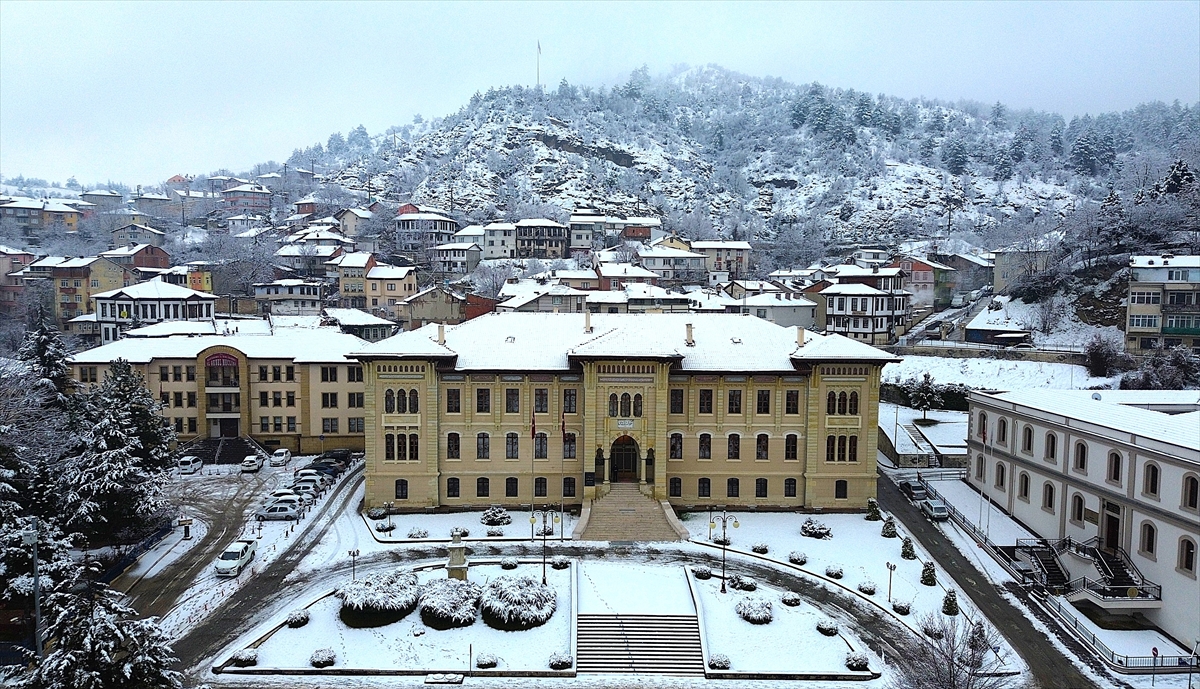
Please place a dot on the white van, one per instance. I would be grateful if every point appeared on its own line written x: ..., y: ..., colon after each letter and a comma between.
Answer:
x: 190, y: 464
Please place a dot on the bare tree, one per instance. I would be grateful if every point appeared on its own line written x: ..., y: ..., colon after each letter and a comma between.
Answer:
x: 956, y: 654
x: 489, y: 278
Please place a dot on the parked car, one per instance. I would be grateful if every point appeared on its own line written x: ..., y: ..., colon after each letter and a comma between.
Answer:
x: 331, y: 470
x: 235, y: 557
x: 308, y: 485
x: 190, y: 464
x: 1023, y: 345
x: 914, y: 491
x: 341, y: 454
x: 285, y: 493
x: 278, y: 510
x: 296, y: 500
x: 935, y: 510
x: 325, y: 479
x: 281, y: 457
x: 252, y: 463
x: 958, y: 301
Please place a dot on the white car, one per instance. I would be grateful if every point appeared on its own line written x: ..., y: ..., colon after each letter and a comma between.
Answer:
x: 252, y: 463
x: 312, y: 474
x: 296, y: 502
x: 281, y: 457
x: 278, y: 510
x: 285, y: 493
x: 190, y: 464
x: 307, y: 487
x: 235, y: 557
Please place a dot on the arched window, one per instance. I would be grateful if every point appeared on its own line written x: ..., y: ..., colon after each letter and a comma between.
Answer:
x: 1114, y: 467
x: 676, y: 449
x: 854, y: 404
x: 452, y: 488
x: 732, y: 488
x: 841, y: 454
x: 512, y: 446
x: 1000, y: 475
x: 1187, y: 555
x: 413, y: 407
x: 1077, y: 508
x: 981, y: 431
x: 1023, y: 486
x: 412, y: 447
x: 830, y: 448
x: 791, y: 445
x: 1051, y: 446
x: 980, y: 468
x: 453, y: 449
x: 841, y: 403
x: 676, y: 488
x: 853, y: 448
x: 401, y: 402
x: 831, y: 403
x: 483, y: 487
x: 389, y: 447
x: 626, y: 404
x: 401, y: 447
x: 512, y: 487
x: 705, y: 446
x: 762, y: 445
x: 1191, y: 493
x: 541, y: 446
x: 1002, y: 431
x: 1150, y: 486
x: 389, y: 402
x: 1027, y: 439
x: 612, y: 404
x: 637, y: 405
x: 483, y: 446
x: 704, y: 488
x: 1080, y: 457
x: 1149, y: 538
x: 1048, y: 496
x: 569, y: 487
x: 760, y: 487
x: 735, y: 446
x: 841, y: 489
x: 789, y: 487
x: 401, y: 489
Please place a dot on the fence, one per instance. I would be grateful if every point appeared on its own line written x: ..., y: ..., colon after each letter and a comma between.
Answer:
x: 955, y: 344
x: 118, y: 568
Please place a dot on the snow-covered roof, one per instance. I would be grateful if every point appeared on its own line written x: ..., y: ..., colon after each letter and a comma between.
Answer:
x: 247, y: 189
x: 389, y: 272
x: 9, y: 251
x: 977, y: 260
x: 85, y: 318
x: 625, y: 270
x: 354, y: 317
x: 611, y: 296
x: 848, y: 270
x: 152, y: 197
x: 143, y: 228
x: 710, y: 300
x: 102, y: 192
x: 423, y: 216
x: 155, y: 289
x: 302, y: 345
x: 353, y: 259
x: 666, y: 252
x: 574, y: 274
x: 543, y: 341
x: 538, y: 222
x: 497, y: 226
x: 554, y: 290
x: 361, y: 213
x: 470, y: 231
x: 49, y: 262
x: 313, y: 250
x: 254, y: 232
x: 434, y: 288
x: 126, y: 250
x: 853, y: 289
x: 645, y: 290
x: 457, y: 246
x: 720, y: 244
x: 81, y: 262
x: 288, y: 282
x: 997, y: 320
x: 1167, y: 261
x: 776, y: 299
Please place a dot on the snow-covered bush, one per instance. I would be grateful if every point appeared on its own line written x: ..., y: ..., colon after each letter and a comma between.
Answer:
x: 815, y: 529
x: 495, y: 516
x: 377, y: 513
x: 495, y: 531
x: 323, y: 657
x: 873, y: 510
x: 560, y: 562
x: 907, y: 551
x: 508, y: 563
x: 379, y: 599
x: 460, y: 531
x: 859, y: 662
x: 797, y: 558
x: 827, y: 627
x: 901, y: 607
x: 247, y: 657
x: 718, y: 661
x: 931, y: 629
x: 561, y: 661
x: 447, y: 603
x: 417, y: 533
x: 297, y: 618
x: 741, y: 583
x: 754, y: 609
x: 702, y: 572
x: 385, y: 527
x: 833, y: 572
x: 950, y: 604
x: 485, y: 661
x: 867, y: 587
x: 760, y: 548
x: 722, y: 540
x: 889, y: 528
x: 791, y: 599
x: 545, y: 530
x: 928, y: 574
x: 515, y: 603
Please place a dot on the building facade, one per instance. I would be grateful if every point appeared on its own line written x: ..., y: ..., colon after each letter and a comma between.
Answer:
x: 541, y: 238
x: 699, y: 410
x: 146, y: 303
x: 1163, y: 307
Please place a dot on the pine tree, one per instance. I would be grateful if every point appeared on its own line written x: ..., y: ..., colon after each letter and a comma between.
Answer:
x: 925, y: 395
x: 46, y: 354
x: 1056, y: 139
x: 1179, y: 179
x: 125, y: 387
x: 862, y: 110
x: 1003, y: 168
x: 907, y: 551
x: 950, y: 604
x: 873, y: 510
x: 954, y: 156
x: 889, y: 528
x: 1112, y: 220
x: 999, y: 116
x: 928, y: 574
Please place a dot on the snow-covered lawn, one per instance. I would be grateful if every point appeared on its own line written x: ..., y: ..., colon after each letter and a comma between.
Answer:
x: 438, y: 526
x: 1067, y: 329
x: 756, y: 647
x: 410, y: 644
x: 993, y: 373
x: 611, y: 588
x: 999, y: 527
x: 1129, y: 642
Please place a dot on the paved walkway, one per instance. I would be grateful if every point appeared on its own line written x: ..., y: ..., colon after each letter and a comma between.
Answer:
x: 1050, y: 668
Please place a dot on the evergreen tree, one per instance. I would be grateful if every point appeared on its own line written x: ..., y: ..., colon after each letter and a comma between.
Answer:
x: 925, y: 395
x: 889, y: 528
x: 928, y: 574
x: 954, y: 156
x: 125, y: 387
x: 999, y: 116
x: 873, y: 510
x: 46, y: 354
x: 1056, y: 139
x: 1112, y: 221
x: 950, y: 604
x: 862, y: 111
x: 1179, y: 179
x: 907, y: 551
x: 1003, y: 169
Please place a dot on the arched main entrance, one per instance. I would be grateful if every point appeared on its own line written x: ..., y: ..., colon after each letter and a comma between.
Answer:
x: 624, y: 460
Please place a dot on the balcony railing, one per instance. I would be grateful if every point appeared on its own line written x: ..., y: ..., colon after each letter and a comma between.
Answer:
x: 223, y: 382
x: 1181, y: 308
x: 224, y: 409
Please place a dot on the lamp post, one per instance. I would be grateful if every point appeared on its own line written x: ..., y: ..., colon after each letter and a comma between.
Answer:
x: 353, y: 561
x: 30, y: 537
x: 389, y: 506
x: 891, y: 568
x: 546, y: 516
x: 724, y: 518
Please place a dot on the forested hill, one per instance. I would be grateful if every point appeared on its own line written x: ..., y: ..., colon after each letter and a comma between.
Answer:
x: 716, y: 152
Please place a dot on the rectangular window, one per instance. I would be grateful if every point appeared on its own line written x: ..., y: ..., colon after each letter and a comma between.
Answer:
x: 541, y: 400
x: 291, y: 399
x: 790, y: 444
x: 676, y: 401
x: 291, y: 424
x: 354, y: 374
x: 676, y: 446
x: 179, y: 399
x: 356, y: 424
x: 762, y: 447
x: 277, y: 399
x: 276, y: 374
x: 191, y: 424
x: 355, y: 400
x: 760, y: 487
x: 1179, y: 275
x: 512, y: 401
x: 190, y: 372
x: 735, y: 402
x: 277, y: 424
x: 453, y: 401
x: 792, y: 405
x: 1179, y: 298
x: 163, y: 375
x: 1143, y: 321
x: 264, y: 424
x: 329, y: 400
x: 177, y: 373
x: 570, y: 401
x: 764, y: 401
x: 512, y: 446
x: 329, y: 374
x: 483, y: 446
x: 191, y: 399
x: 453, y: 449
x: 512, y: 487
x: 290, y: 373
x: 569, y: 487
x: 262, y: 374
x: 735, y: 446
x: 539, y: 446
x: 706, y: 402
x: 705, y: 447
x: 329, y: 425
x: 569, y: 446
x: 483, y: 401
x: 264, y: 399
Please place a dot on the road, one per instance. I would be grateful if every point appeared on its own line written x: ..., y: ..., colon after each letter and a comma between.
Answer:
x: 1050, y: 668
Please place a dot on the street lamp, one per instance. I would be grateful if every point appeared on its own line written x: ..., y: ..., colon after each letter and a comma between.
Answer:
x: 353, y: 560
x: 891, y: 568
x: 30, y: 537
x: 724, y: 518
x: 389, y: 505
x: 546, y: 516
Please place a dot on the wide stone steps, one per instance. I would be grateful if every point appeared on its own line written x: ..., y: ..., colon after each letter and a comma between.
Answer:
x: 650, y: 644
x: 625, y: 514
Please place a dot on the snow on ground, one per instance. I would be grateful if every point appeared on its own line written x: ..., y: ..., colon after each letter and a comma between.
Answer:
x: 1067, y: 330
x: 755, y: 647
x: 410, y: 644
x: 168, y: 550
x: 990, y: 519
x: 439, y: 525
x: 992, y: 373
x: 609, y: 588
x: 1130, y: 642
x: 949, y: 435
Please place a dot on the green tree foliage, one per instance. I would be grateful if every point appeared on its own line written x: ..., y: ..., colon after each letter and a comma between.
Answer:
x: 954, y: 156
x: 925, y: 395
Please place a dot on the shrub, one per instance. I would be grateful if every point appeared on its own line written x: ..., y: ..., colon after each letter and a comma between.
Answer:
x: 889, y: 528
x: 741, y: 583
x: 517, y: 603
x: 1104, y: 358
x: 380, y: 599
x: 323, y: 657
x: 760, y: 548
x: 827, y: 627
x: 247, y: 657
x: 484, y: 661
x: 385, y: 527
x: 873, y: 510
x: 460, y: 531
x: 495, y: 516
x: 857, y: 662
x: 797, y: 558
x: 718, y: 661
x: 754, y: 609
x: 417, y: 533
x: 928, y: 574
x: 377, y: 513
x: 297, y: 618
x: 815, y: 529
x: 867, y: 587
x: 833, y: 572
x: 561, y: 661
x: 545, y: 530
x: 702, y: 572
x: 907, y: 551
x: 447, y: 603
x: 931, y: 629
x: 508, y: 563
x: 950, y: 604
x: 791, y: 599
x: 901, y: 608
x: 560, y: 562
x: 495, y: 531
x: 722, y: 540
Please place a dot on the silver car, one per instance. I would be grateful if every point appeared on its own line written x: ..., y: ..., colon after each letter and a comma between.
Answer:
x: 935, y: 510
x: 278, y: 510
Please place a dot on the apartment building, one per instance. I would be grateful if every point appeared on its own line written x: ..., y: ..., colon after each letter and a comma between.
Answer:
x: 77, y: 280
x: 1163, y: 306
x: 12, y: 283
x: 542, y: 238
x: 137, y: 234
x: 146, y: 303
x: 723, y: 256
x: 290, y: 297
x: 863, y: 312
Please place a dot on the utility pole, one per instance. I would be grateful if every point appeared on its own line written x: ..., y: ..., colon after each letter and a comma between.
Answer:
x: 539, y: 63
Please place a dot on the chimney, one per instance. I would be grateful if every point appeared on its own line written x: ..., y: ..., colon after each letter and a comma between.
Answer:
x: 587, y: 321
x: 690, y: 341
x: 875, y: 268
x: 441, y: 333
x: 799, y: 337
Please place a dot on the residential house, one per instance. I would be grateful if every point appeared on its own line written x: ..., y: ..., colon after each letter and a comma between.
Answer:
x: 739, y: 289
x: 436, y: 304
x: 930, y: 282
x: 1019, y: 262
x: 388, y: 286
x: 145, y: 303
x: 501, y: 238
x: 290, y: 297
x: 139, y: 256
x: 732, y: 259
x: 361, y: 324
x: 456, y: 258
x: 103, y: 198
x: 153, y: 204
x: 77, y: 279
x: 974, y: 271
x: 246, y: 221
x: 12, y: 284
x: 1163, y: 306
x: 674, y: 266
x: 862, y: 312
x: 247, y: 198
x: 307, y: 258
x: 350, y: 220
x: 788, y: 309
x: 306, y: 206
x: 614, y: 276
x: 870, y: 256
x: 350, y: 271
x: 541, y: 238
x: 417, y: 231
x: 137, y: 234
x: 33, y: 214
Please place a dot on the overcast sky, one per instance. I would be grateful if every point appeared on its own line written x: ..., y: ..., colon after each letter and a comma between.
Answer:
x: 136, y: 92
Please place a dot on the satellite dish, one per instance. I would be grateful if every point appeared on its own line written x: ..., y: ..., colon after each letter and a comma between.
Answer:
x: 1096, y: 396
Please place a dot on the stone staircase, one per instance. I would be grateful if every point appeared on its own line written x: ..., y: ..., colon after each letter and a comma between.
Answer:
x: 649, y: 644
x: 626, y: 514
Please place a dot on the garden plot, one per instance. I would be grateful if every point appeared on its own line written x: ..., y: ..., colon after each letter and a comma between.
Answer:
x: 439, y: 526
x: 609, y: 588
x: 410, y: 644
x: 755, y: 647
